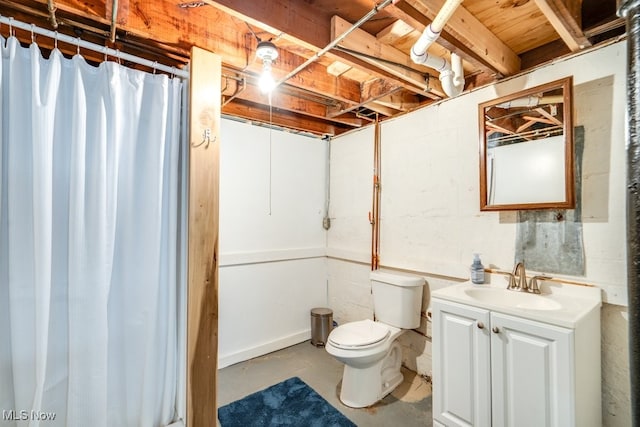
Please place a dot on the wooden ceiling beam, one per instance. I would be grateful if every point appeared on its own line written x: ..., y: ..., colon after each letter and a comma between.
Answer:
x: 372, y: 91
x: 468, y: 30
x: 260, y: 113
x: 401, y: 101
x: 394, y: 32
x: 564, y: 16
x: 385, y: 57
x: 303, y: 25
x: 407, y: 13
x: 282, y: 100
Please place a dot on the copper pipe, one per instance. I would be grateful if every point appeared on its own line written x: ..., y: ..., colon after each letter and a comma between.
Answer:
x: 375, y: 209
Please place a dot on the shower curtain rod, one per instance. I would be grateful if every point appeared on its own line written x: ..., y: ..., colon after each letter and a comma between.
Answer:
x: 11, y: 22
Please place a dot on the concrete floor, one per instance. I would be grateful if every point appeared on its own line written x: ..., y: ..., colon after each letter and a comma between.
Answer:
x: 408, y: 405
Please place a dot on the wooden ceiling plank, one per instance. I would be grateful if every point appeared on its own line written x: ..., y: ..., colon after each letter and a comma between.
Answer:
x: 472, y: 33
x: 561, y: 14
x: 365, y: 43
x: 303, y: 25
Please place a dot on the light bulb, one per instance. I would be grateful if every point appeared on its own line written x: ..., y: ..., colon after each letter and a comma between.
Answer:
x: 266, y: 82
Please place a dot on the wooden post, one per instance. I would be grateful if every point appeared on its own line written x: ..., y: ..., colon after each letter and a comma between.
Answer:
x: 202, y: 287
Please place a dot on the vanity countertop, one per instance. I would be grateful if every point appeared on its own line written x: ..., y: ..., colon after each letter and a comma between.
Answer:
x: 559, y: 304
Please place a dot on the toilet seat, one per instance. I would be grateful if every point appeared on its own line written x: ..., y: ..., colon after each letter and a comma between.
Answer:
x: 359, y: 335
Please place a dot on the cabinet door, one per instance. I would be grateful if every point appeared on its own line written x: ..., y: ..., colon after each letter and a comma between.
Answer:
x: 531, y: 373
x: 461, y: 378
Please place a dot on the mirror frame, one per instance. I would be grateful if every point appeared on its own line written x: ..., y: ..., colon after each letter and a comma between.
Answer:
x: 566, y: 84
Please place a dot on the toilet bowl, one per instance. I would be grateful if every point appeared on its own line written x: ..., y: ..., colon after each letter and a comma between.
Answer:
x: 372, y: 360
x: 369, y: 349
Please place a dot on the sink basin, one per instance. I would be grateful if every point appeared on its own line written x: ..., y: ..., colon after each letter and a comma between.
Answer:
x: 559, y: 304
x: 513, y: 298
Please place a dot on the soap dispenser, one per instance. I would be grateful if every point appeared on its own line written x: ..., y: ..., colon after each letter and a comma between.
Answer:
x: 477, y: 270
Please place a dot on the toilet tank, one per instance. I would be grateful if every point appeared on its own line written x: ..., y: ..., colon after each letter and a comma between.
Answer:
x: 397, y: 298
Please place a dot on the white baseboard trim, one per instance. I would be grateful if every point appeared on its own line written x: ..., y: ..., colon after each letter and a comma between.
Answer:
x: 262, y: 349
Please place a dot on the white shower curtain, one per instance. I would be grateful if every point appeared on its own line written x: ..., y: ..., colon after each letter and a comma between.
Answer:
x: 89, y: 257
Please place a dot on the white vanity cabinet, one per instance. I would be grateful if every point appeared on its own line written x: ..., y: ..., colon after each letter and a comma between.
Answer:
x: 496, y: 369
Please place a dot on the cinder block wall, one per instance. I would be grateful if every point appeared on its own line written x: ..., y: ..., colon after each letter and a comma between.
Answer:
x: 430, y: 218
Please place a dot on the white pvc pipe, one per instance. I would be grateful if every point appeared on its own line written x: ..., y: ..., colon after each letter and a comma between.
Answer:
x: 452, y: 78
x: 444, y: 15
x: 532, y: 101
x: 451, y: 75
x: 178, y: 72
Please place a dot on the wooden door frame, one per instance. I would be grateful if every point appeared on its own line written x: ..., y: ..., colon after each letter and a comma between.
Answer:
x: 202, y: 274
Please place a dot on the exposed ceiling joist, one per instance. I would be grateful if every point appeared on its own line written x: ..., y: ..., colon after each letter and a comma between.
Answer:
x: 293, y: 103
x: 304, y: 26
x: 564, y: 16
x: 385, y: 57
x: 407, y: 13
x: 468, y: 30
x: 254, y: 112
x: 370, y: 75
x: 394, y: 32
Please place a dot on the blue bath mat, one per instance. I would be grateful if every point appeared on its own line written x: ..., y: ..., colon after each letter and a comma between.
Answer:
x: 289, y: 403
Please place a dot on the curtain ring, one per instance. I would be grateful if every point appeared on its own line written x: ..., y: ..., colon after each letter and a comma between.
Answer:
x: 11, y: 27
x: 105, y: 53
x: 78, y: 45
x: 33, y: 36
x: 55, y: 40
x: 155, y: 65
x: 118, y: 56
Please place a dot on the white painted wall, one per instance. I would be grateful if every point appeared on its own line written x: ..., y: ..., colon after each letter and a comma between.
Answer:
x: 272, y: 244
x: 430, y: 218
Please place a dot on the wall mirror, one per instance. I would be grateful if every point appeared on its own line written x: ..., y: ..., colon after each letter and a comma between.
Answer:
x: 526, y: 149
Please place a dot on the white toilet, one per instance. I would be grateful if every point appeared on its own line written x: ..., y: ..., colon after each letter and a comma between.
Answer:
x: 369, y: 350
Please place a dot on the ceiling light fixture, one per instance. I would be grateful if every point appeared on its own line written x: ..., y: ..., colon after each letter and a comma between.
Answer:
x: 267, y: 52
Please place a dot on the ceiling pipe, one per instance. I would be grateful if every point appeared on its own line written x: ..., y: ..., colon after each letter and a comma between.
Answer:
x: 451, y: 74
x: 532, y: 101
x: 337, y: 40
x: 114, y: 17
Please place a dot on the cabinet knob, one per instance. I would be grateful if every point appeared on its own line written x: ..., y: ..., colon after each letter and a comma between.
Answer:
x: 495, y: 329
x: 480, y: 325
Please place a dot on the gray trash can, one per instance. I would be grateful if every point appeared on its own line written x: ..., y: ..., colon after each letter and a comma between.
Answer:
x: 321, y: 325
